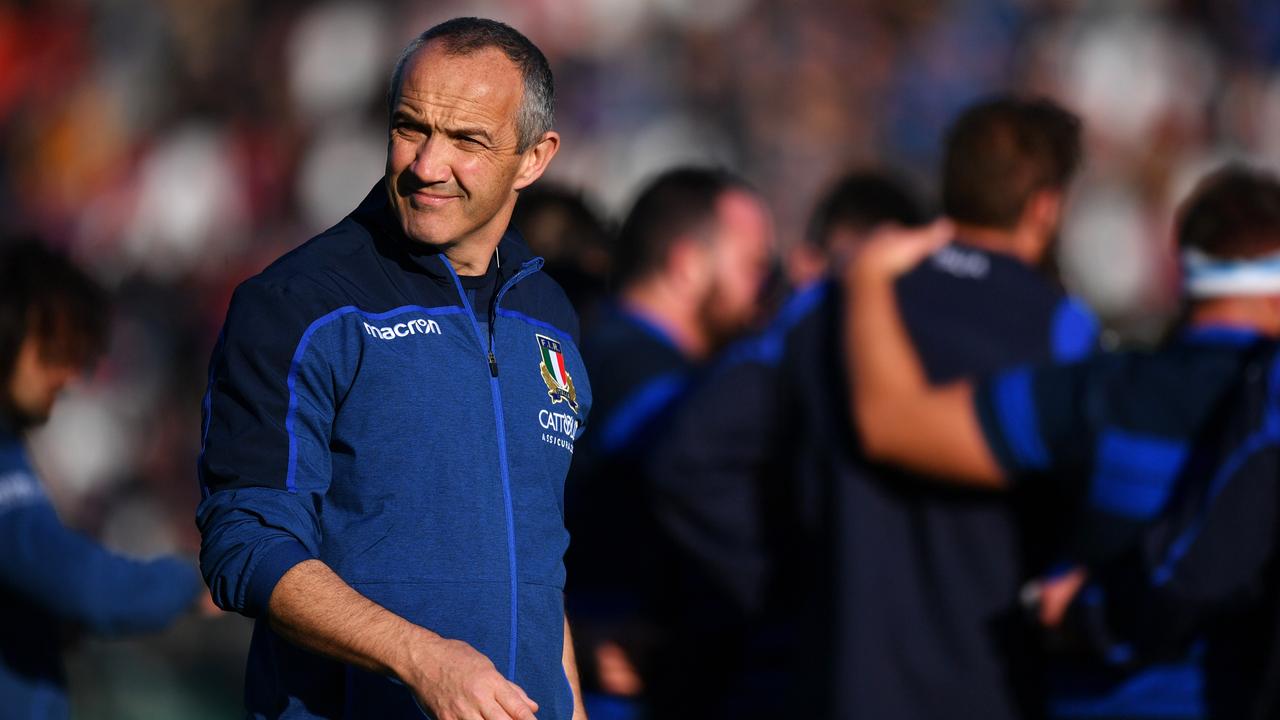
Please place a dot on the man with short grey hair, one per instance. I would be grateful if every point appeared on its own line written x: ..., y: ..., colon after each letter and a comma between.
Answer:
x: 392, y: 408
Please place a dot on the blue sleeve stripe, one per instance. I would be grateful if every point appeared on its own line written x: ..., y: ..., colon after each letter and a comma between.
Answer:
x: 1074, y: 331
x: 1227, y: 470
x: 767, y: 347
x: 1016, y: 411
x: 1134, y: 474
x: 1166, y: 690
x: 296, y: 364
x: 633, y: 413
x: 514, y: 315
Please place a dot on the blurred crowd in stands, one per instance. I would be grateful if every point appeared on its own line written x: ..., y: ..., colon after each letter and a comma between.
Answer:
x: 175, y: 147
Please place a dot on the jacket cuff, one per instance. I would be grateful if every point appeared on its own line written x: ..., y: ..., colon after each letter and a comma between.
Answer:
x: 275, y: 563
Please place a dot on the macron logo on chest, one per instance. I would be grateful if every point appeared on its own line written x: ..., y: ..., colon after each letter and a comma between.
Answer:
x: 418, y: 326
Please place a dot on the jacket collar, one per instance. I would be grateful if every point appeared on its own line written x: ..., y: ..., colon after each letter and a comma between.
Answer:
x: 376, y: 214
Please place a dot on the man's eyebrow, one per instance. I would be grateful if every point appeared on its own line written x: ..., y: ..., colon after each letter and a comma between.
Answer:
x: 475, y: 132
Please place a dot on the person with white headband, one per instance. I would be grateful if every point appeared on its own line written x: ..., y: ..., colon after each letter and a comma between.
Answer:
x: 1169, y: 459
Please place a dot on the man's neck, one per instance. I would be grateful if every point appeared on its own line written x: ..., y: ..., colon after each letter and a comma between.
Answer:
x: 471, y: 259
x: 676, y: 315
x: 1017, y: 243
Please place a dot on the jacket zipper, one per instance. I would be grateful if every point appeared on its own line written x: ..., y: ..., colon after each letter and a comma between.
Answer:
x: 526, y: 270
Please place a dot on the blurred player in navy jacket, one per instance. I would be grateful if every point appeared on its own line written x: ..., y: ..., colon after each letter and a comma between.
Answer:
x: 1170, y: 456
x: 721, y: 473
x: 691, y: 259
x: 53, y: 324
x: 912, y: 621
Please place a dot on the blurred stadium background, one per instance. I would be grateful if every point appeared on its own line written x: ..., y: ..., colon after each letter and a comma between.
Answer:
x: 177, y: 146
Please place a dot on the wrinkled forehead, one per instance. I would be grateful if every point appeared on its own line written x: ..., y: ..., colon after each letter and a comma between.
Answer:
x: 482, y: 76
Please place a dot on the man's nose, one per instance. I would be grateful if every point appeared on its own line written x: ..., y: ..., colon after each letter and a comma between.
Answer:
x: 431, y: 162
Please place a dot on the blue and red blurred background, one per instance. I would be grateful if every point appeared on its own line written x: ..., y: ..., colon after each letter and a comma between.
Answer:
x: 175, y: 147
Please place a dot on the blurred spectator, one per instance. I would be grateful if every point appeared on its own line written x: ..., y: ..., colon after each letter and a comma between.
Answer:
x: 690, y: 264
x: 561, y: 227
x: 735, y: 488
x: 1178, y: 617
x: 922, y: 622
x: 55, y: 582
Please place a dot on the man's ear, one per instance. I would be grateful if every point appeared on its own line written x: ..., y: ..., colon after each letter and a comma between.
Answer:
x: 689, y: 262
x: 1044, y: 211
x: 534, y: 161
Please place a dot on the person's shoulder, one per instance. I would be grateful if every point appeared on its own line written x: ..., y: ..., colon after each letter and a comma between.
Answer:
x: 317, y: 275
x: 337, y: 250
x: 801, y: 318
x: 549, y: 302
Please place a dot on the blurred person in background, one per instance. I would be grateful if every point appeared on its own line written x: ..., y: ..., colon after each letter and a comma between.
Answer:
x: 55, y: 582
x: 390, y: 415
x: 912, y: 608
x: 1171, y: 455
x: 927, y: 579
x: 740, y: 479
x: 560, y: 226
x: 692, y: 257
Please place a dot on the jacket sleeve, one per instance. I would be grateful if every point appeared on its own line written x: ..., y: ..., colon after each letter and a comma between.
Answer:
x: 75, y: 578
x: 264, y: 464
x: 1217, y: 558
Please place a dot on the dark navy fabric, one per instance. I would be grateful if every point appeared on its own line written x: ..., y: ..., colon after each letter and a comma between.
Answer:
x: 55, y: 582
x: 360, y: 412
x: 620, y: 573
x: 905, y: 594
x: 1138, y: 432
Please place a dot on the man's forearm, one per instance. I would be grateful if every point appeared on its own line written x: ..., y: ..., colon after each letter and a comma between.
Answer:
x: 314, y: 608
x: 887, y: 375
x: 900, y: 417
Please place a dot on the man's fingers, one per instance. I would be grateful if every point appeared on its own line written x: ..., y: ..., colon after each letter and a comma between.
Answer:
x: 892, y: 249
x: 515, y: 704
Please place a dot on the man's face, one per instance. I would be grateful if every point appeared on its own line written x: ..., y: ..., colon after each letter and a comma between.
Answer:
x: 452, y: 166
x: 741, y: 249
x: 36, y: 382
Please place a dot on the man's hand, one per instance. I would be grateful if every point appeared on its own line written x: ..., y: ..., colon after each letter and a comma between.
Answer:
x: 893, y: 250
x: 313, y: 608
x: 456, y: 682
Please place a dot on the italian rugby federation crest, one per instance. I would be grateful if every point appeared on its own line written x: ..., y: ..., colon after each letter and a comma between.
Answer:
x: 554, y: 374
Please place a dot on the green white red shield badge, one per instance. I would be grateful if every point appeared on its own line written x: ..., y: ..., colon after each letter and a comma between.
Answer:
x: 554, y: 373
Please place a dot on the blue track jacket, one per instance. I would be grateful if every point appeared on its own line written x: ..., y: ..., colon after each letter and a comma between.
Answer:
x: 55, y: 582
x: 362, y: 412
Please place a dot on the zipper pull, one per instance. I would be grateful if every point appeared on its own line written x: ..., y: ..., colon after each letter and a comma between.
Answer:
x: 493, y: 364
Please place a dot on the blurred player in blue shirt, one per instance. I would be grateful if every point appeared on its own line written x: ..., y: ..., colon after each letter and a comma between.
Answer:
x: 1175, y: 499
x: 54, y: 581
x: 906, y: 595
x: 692, y: 257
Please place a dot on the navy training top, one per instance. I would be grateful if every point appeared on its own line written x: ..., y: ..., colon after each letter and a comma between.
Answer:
x: 905, y: 593
x: 361, y: 411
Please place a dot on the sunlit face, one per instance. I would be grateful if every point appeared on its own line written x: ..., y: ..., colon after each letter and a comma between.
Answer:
x: 36, y: 383
x: 742, y: 246
x: 452, y: 166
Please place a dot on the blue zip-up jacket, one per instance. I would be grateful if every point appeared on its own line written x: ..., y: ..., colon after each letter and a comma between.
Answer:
x: 54, y: 581
x: 361, y: 412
